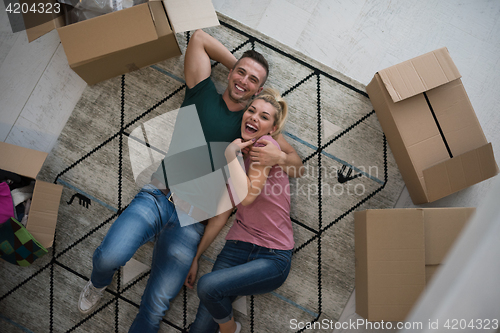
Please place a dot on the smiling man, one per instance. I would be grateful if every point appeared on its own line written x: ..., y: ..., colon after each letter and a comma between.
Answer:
x: 222, y: 113
x: 152, y: 215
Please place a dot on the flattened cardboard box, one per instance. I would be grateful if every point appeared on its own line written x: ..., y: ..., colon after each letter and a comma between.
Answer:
x: 397, y: 251
x: 431, y: 127
x: 129, y: 39
x: 42, y: 217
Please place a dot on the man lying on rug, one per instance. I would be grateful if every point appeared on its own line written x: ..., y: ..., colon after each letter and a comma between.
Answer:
x: 257, y: 255
x: 151, y: 215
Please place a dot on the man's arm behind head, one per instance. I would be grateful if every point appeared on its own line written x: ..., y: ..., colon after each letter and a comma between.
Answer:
x: 201, y: 48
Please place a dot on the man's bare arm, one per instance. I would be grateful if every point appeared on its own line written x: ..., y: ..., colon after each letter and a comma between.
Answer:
x: 292, y: 163
x: 201, y: 48
x: 270, y: 155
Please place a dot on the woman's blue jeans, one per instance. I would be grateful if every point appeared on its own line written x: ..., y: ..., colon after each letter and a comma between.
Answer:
x: 150, y: 216
x: 240, y: 269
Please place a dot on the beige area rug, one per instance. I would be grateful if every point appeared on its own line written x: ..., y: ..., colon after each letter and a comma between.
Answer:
x: 332, y: 127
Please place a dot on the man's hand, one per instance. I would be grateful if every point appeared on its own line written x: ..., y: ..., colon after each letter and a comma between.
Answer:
x: 191, y: 277
x: 268, y: 155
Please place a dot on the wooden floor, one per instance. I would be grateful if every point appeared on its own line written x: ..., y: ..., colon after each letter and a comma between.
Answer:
x: 38, y: 90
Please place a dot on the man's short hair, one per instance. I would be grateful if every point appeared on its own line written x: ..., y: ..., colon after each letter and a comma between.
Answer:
x: 259, y: 58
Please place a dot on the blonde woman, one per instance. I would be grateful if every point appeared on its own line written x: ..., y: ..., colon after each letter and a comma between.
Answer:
x: 257, y: 254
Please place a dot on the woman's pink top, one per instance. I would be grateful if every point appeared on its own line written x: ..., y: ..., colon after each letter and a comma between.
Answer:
x: 266, y: 221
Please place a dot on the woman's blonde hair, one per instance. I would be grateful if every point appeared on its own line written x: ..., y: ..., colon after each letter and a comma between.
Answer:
x: 273, y: 97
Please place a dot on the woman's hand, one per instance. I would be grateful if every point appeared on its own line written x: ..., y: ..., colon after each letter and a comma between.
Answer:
x: 191, y: 277
x: 236, y: 146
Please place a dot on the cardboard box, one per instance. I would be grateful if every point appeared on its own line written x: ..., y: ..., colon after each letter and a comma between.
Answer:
x: 129, y: 39
x: 397, y: 251
x: 431, y: 127
x: 42, y: 217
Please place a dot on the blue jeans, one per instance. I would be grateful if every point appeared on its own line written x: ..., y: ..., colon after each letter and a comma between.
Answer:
x: 150, y: 216
x: 240, y: 269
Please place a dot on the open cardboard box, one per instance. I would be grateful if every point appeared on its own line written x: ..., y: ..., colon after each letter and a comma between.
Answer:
x: 431, y: 127
x: 397, y: 251
x: 120, y: 42
x: 42, y: 217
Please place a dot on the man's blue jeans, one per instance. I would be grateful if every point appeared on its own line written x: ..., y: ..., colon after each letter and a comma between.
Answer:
x: 240, y: 269
x: 150, y: 216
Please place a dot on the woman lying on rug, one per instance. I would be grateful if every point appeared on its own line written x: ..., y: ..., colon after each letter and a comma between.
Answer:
x: 257, y: 254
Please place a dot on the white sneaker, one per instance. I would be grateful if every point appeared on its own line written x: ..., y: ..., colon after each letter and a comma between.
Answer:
x: 238, y: 327
x: 89, y: 298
